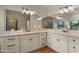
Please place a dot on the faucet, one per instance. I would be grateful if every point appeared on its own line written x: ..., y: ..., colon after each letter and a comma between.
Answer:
x: 65, y: 30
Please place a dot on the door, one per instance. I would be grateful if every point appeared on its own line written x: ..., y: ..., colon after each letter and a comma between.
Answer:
x: 34, y: 41
x: 63, y: 44
x: 25, y: 43
x: 53, y: 41
x: 49, y: 39
x: 56, y: 42
x: 29, y: 42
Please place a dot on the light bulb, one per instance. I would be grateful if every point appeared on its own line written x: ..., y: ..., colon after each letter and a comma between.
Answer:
x: 23, y: 10
x: 60, y: 11
x: 27, y: 12
x: 32, y: 12
x: 65, y: 10
x: 71, y: 8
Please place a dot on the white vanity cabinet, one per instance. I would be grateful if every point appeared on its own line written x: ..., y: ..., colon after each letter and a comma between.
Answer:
x: 29, y: 42
x: 57, y: 42
x: 23, y: 43
x: 10, y: 44
x: 73, y: 45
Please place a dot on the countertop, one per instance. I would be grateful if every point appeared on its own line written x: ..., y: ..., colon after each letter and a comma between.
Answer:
x: 21, y: 32
x: 72, y: 33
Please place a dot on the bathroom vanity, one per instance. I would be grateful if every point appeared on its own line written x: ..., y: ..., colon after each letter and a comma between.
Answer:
x: 56, y: 39
x: 63, y: 42
x: 22, y: 42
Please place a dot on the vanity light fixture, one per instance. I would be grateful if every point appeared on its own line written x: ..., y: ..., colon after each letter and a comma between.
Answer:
x: 61, y: 11
x: 66, y: 9
x: 31, y: 12
x: 27, y: 11
x: 70, y: 8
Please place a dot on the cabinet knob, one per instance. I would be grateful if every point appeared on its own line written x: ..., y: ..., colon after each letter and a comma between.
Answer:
x: 58, y: 39
x: 74, y: 47
x: 73, y: 40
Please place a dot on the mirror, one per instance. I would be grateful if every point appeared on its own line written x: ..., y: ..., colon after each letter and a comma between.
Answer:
x: 12, y: 23
x: 47, y: 22
x: 15, y: 20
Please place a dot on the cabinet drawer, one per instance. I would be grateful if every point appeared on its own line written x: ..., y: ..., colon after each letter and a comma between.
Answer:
x: 11, y: 45
x: 43, y: 39
x: 73, y: 48
x: 10, y: 39
x: 10, y: 48
x: 43, y: 34
x: 74, y: 40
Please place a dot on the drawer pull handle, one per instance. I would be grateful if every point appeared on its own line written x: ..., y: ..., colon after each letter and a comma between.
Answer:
x: 11, y: 45
x: 30, y: 39
x: 58, y: 40
x: 73, y: 40
x: 12, y: 39
x: 74, y: 47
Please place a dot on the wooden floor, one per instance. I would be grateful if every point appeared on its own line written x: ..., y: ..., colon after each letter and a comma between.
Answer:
x: 44, y: 50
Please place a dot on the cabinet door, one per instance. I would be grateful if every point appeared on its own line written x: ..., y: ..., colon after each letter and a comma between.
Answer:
x: 34, y: 42
x: 63, y: 44
x: 43, y: 40
x: 29, y: 42
x: 49, y: 39
x: 55, y: 43
x: 25, y: 44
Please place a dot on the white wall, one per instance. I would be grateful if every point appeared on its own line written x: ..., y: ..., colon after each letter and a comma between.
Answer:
x: 40, y: 10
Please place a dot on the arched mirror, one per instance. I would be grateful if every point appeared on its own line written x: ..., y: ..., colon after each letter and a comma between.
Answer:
x: 47, y: 22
